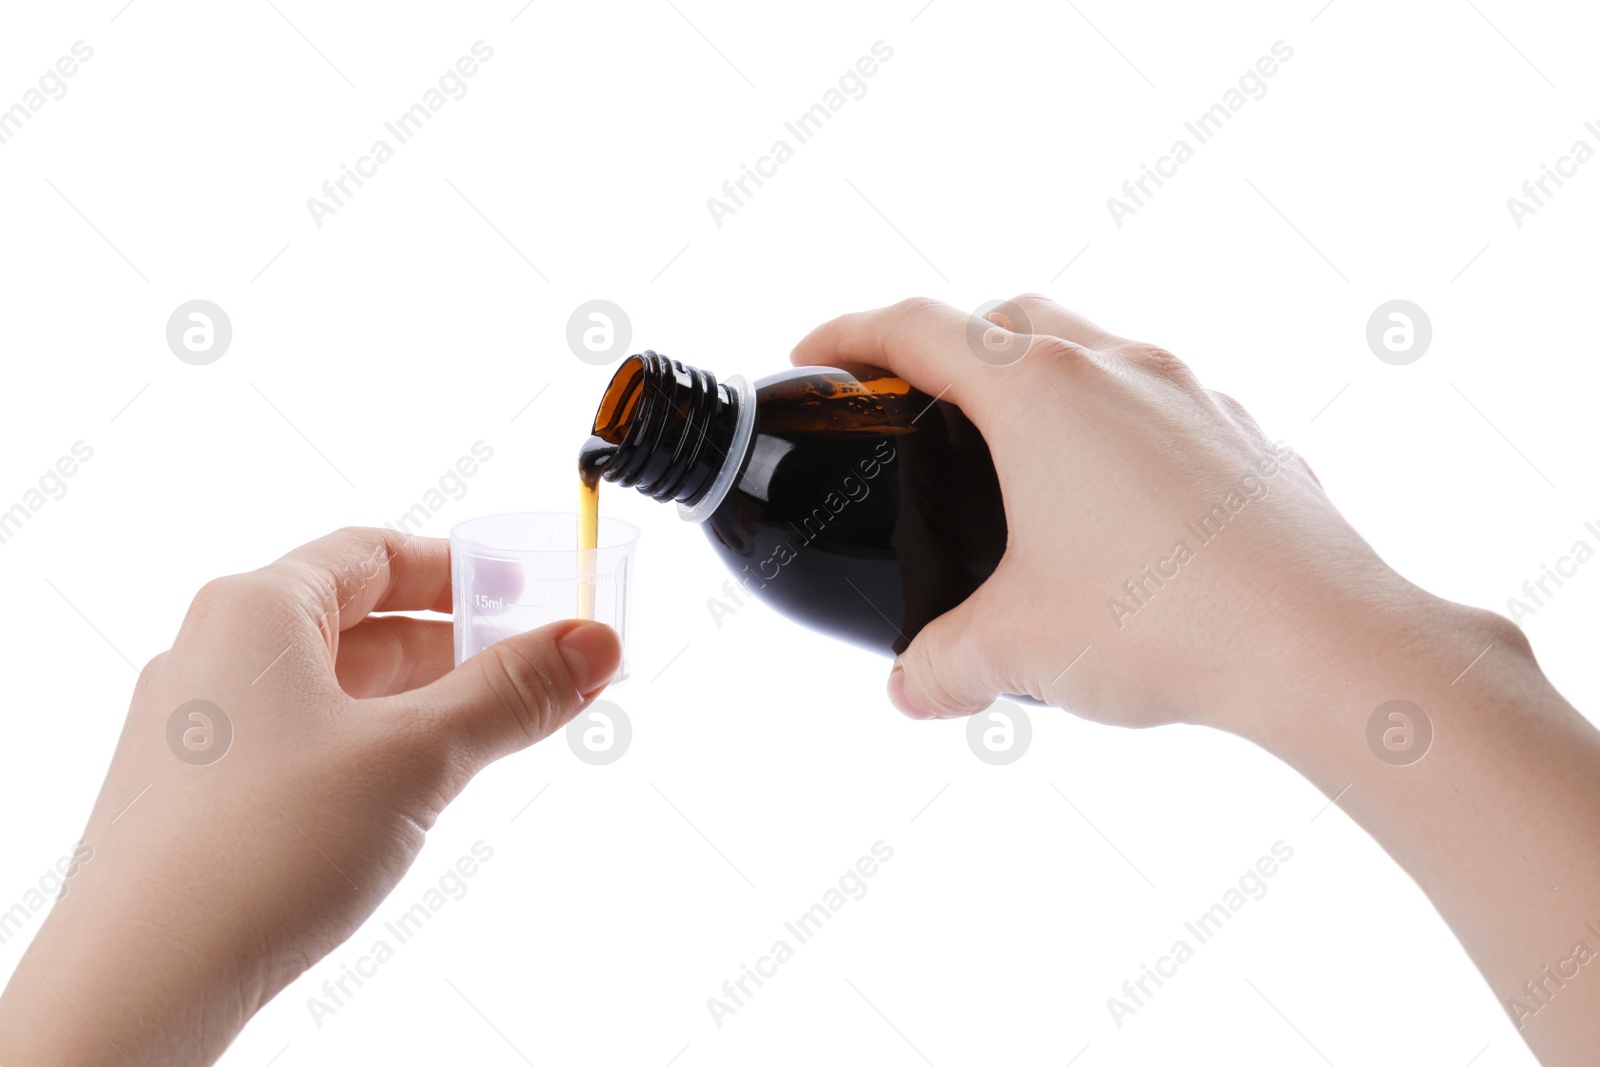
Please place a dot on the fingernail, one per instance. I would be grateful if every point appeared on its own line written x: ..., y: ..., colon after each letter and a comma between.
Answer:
x: 900, y: 697
x: 592, y: 655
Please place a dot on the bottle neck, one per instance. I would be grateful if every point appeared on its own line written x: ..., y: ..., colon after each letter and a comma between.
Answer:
x: 677, y: 433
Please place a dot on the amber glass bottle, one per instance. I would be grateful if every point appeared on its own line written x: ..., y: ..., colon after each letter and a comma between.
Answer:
x: 842, y: 497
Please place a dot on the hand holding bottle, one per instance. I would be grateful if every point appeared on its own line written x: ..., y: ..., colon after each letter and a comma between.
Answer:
x: 1167, y: 560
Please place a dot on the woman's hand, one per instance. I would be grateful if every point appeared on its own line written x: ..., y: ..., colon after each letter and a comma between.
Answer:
x: 1163, y: 551
x: 1167, y: 561
x: 276, y: 776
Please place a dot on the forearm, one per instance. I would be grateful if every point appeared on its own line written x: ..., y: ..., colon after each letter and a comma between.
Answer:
x: 94, y: 989
x: 1499, y: 820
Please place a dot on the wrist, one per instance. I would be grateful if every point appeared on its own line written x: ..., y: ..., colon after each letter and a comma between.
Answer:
x: 1368, y: 684
x: 93, y: 988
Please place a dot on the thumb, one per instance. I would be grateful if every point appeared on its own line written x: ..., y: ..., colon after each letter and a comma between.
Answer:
x: 522, y: 690
x: 942, y: 674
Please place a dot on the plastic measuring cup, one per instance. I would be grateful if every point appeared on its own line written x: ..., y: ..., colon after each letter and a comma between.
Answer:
x: 516, y: 572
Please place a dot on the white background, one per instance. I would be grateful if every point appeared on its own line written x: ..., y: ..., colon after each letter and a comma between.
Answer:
x: 425, y: 315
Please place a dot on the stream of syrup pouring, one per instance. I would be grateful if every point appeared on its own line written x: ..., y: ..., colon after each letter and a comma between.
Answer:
x: 592, y: 459
x: 616, y: 408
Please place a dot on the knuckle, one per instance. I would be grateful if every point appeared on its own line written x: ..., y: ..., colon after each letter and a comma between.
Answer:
x: 1235, y: 410
x: 918, y: 306
x: 237, y: 607
x: 1151, y: 355
x: 314, y: 589
x: 1502, y: 631
x: 949, y: 682
x: 232, y: 593
x: 1033, y: 302
x: 1012, y: 315
x: 371, y: 542
x: 1229, y: 403
x: 1056, y: 349
x: 1158, y: 361
x: 152, y: 668
x: 1049, y: 358
x: 929, y: 689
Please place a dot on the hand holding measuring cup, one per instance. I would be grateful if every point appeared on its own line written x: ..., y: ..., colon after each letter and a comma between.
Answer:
x: 329, y: 738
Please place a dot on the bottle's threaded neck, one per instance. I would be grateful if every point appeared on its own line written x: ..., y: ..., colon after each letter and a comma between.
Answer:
x: 671, y: 426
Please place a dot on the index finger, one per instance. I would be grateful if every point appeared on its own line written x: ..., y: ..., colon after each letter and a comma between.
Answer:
x: 926, y: 342
x: 359, y: 570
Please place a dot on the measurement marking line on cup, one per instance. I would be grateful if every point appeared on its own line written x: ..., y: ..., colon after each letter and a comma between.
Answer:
x: 503, y: 636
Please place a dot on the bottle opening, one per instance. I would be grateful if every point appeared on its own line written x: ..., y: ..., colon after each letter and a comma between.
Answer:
x: 620, y: 399
x: 666, y: 429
